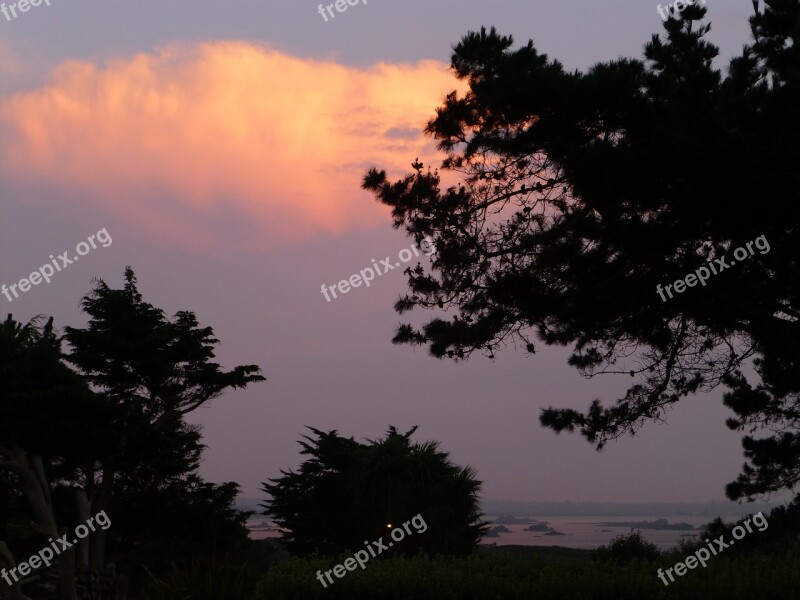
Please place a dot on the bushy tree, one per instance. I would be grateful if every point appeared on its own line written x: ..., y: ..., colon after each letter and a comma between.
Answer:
x: 347, y: 492
x: 102, y: 429
x: 582, y: 193
x: 626, y: 548
x: 153, y: 370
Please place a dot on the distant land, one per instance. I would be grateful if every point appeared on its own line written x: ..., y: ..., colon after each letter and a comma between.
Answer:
x: 657, y: 524
x: 522, y: 508
x: 529, y: 508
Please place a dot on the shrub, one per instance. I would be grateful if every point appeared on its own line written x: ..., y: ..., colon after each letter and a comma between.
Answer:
x: 626, y: 548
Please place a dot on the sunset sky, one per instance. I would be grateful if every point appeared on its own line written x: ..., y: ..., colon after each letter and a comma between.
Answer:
x: 222, y: 145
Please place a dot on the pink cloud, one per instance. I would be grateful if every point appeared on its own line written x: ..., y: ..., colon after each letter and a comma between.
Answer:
x: 225, y: 126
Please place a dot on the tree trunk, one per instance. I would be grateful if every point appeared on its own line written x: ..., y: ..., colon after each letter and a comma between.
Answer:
x: 66, y: 574
x: 35, y: 488
x: 7, y: 562
x: 83, y: 509
x: 101, y: 502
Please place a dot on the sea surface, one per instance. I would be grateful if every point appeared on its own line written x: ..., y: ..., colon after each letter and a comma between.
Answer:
x: 580, y: 532
x: 586, y: 532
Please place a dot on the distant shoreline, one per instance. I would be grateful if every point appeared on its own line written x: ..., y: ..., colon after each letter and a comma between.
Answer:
x: 619, y: 509
x: 658, y: 525
x: 594, y: 509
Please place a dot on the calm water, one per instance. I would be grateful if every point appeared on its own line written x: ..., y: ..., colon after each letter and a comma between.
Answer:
x: 581, y: 532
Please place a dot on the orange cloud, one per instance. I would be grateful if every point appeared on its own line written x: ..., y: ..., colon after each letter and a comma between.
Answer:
x: 190, y: 132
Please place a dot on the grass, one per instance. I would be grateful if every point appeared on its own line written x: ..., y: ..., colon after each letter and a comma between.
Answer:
x: 200, y: 580
x: 520, y: 573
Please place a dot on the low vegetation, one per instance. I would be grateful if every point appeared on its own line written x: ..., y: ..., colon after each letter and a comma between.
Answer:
x: 524, y: 573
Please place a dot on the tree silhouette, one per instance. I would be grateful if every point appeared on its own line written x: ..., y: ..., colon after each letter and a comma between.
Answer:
x: 48, y: 419
x: 154, y: 370
x: 347, y: 492
x: 582, y: 192
x: 109, y: 435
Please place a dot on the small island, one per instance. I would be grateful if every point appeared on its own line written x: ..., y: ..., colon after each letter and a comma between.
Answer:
x: 496, y: 531
x: 543, y: 527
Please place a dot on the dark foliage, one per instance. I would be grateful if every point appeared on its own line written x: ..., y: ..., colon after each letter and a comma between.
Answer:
x: 626, y: 548
x: 347, y: 493
x: 102, y: 429
x: 581, y: 193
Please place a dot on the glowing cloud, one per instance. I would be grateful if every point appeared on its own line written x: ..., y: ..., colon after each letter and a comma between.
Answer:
x: 173, y: 139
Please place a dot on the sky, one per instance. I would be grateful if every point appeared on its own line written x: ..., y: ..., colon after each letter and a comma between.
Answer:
x: 218, y: 149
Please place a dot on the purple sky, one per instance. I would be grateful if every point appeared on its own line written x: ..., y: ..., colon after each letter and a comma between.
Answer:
x: 249, y: 256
